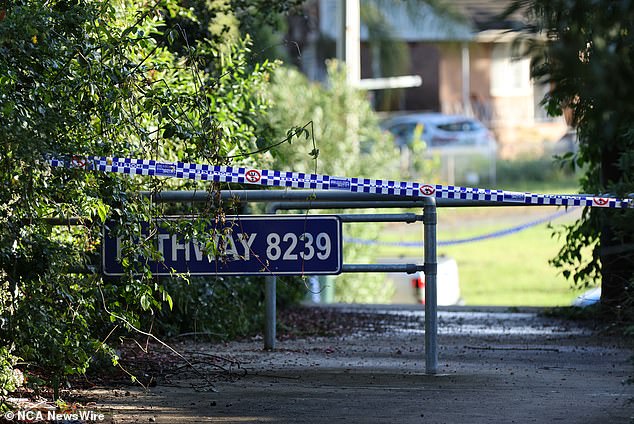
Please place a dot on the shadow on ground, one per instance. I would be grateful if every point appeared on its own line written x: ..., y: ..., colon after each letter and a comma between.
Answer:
x: 366, y: 365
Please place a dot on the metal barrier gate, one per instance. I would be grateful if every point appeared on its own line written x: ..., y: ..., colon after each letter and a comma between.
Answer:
x: 341, y: 192
x: 309, y: 199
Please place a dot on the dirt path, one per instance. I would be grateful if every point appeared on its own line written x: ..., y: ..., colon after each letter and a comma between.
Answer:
x: 368, y: 367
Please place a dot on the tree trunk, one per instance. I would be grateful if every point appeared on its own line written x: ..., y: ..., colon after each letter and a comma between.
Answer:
x: 617, y: 258
x: 617, y: 267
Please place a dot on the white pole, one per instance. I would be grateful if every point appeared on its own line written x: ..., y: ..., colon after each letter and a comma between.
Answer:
x: 466, y: 76
x: 353, y: 41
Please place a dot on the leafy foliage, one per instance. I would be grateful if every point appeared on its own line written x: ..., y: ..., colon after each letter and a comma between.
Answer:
x: 588, y: 59
x: 347, y: 141
x: 10, y: 378
x: 91, y: 77
x: 532, y: 170
x: 345, y: 129
x: 220, y: 308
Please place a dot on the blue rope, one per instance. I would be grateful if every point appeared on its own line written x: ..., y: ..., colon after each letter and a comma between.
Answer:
x: 494, y: 234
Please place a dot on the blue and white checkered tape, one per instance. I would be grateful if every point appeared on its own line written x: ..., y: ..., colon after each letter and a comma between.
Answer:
x: 266, y: 177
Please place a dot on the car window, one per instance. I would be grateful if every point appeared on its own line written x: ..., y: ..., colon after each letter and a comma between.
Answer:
x: 460, y: 126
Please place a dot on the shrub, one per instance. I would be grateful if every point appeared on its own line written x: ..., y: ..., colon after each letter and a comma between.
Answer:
x: 532, y: 170
x: 347, y: 142
x: 92, y: 77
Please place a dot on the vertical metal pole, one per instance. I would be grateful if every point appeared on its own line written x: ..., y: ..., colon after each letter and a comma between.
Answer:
x: 353, y: 47
x: 269, y: 321
x: 270, y: 300
x: 466, y: 80
x: 431, y: 300
x: 341, y: 35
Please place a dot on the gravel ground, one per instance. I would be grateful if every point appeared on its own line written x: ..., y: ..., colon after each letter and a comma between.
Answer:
x: 366, y: 365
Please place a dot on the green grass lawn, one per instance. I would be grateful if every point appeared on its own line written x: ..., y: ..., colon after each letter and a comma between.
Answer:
x: 512, y: 270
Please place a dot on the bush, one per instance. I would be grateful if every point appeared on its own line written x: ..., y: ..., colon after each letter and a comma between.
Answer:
x: 92, y: 77
x: 221, y: 308
x: 346, y: 141
x: 10, y: 378
x: 532, y: 170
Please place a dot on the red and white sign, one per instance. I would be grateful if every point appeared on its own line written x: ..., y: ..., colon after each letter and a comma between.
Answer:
x: 427, y: 190
x: 253, y: 175
x: 600, y: 201
x: 78, y: 162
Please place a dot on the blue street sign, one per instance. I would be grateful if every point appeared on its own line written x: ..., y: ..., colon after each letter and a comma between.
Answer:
x: 248, y: 245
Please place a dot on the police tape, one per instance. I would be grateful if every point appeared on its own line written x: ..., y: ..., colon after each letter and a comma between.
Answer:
x: 271, y: 178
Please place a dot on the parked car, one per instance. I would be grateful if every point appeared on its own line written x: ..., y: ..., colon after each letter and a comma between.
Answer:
x: 439, y: 131
x: 466, y: 148
x: 409, y: 289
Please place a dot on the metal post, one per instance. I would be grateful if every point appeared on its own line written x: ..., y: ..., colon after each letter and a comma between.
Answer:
x: 270, y: 301
x: 310, y: 199
x: 466, y: 79
x: 431, y: 301
x: 270, y: 311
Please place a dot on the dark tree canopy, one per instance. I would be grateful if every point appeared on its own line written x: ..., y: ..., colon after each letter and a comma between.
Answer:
x: 588, y: 57
x: 95, y: 77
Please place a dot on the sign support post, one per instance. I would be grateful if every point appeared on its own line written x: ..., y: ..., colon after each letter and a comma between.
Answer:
x: 431, y: 300
x: 270, y: 312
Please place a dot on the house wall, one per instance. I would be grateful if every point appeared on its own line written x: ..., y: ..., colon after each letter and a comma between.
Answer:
x: 450, y: 82
x: 511, y: 117
x: 424, y: 61
x: 480, y: 83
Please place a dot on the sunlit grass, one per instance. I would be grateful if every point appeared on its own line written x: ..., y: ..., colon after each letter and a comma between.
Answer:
x: 512, y: 270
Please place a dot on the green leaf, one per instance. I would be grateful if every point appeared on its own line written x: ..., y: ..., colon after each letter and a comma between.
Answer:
x: 145, y: 302
x: 102, y: 211
x: 168, y: 298
x: 171, y: 36
x: 169, y: 131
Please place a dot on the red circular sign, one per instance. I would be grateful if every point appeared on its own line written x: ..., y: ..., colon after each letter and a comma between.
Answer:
x: 78, y: 162
x: 600, y: 201
x: 253, y: 175
x: 427, y: 190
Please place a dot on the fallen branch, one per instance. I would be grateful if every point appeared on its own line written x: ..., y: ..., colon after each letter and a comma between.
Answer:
x: 150, y: 335
x: 200, y: 333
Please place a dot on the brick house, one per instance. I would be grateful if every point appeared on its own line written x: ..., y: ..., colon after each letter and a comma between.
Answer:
x: 466, y: 59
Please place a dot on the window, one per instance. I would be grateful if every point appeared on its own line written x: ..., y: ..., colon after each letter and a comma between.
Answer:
x: 510, y: 75
x: 461, y: 126
x: 540, y: 91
